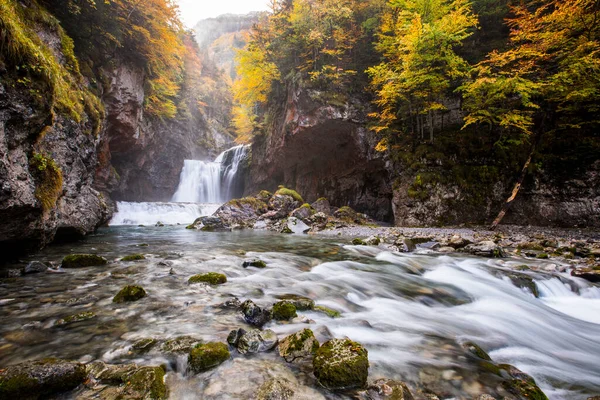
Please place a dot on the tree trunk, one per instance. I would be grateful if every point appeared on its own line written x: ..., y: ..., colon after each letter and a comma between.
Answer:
x: 430, y: 116
x: 515, y: 192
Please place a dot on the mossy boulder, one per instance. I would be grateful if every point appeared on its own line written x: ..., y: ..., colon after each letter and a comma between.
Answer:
x: 212, y: 278
x: 300, y: 302
x: 304, y: 212
x: 143, y: 346
x: 348, y: 215
x: 283, y: 191
x: 129, y: 294
x: 37, y: 379
x: 520, y: 384
x: 256, y: 263
x: 133, y: 257
x: 83, y: 260
x: 127, y: 382
x: 341, y: 364
x: 84, y: 316
x: 284, y: 311
x: 299, y: 346
x: 204, y: 357
x: 264, y: 195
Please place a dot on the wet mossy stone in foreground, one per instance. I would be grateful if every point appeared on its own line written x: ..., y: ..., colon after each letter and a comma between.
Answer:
x: 133, y: 257
x: 284, y: 311
x: 130, y: 293
x: 207, y: 356
x: 83, y: 260
x: 300, y: 345
x: 37, y: 379
x: 212, y: 278
x: 341, y: 364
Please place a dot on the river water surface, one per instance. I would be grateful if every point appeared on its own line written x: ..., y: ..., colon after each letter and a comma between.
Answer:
x: 411, y: 311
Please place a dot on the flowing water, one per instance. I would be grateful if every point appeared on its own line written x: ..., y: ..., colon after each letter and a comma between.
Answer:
x: 411, y: 311
x: 211, y: 182
x: 152, y: 213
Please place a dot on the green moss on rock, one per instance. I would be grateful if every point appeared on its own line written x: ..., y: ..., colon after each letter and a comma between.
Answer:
x: 133, y: 257
x: 207, y: 356
x: 84, y: 316
x: 474, y: 349
x: 256, y: 263
x: 282, y: 191
x: 284, y: 310
x: 83, y: 260
x: 129, y: 293
x: 341, y: 364
x: 143, y: 346
x: 302, y: 303
x: 40, y: 378
x: 212, y: 278
x: 300, y: 345
x: 331, y: 313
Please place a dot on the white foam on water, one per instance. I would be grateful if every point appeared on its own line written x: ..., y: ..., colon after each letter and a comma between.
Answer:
x: 167, y: 213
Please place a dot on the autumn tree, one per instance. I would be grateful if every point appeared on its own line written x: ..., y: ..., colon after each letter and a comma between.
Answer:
x: 418, y: 41
x: 547, y: 81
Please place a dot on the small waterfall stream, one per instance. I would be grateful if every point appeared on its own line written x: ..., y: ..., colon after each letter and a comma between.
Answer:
x: 203, y: 187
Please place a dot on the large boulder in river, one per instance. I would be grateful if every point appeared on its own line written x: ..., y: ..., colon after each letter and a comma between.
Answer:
x: 485, y: 249
x: 125, y: 382
x: 256, y: 341
x: 207, y: 356
x: 211, y: 224
x: 83, y: 260
x: 129, y: 294
x: 520, y: 384
x: 299, y: 346
x: 254, y: 315
x: 32, y: 380
x: 341, y: 364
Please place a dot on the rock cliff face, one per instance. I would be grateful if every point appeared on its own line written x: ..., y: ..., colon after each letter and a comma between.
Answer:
x: 323, y: 151
x: 77, y: 207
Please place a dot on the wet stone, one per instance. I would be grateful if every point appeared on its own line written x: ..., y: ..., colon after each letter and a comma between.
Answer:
x: 179, y: 345
x: 204, y: 357
x: 254, y: 315
x: 299, y: 346
x: 257, y: 341
x: 341, y: 364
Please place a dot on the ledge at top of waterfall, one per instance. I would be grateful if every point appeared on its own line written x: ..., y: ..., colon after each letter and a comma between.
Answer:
x: 212, y: 181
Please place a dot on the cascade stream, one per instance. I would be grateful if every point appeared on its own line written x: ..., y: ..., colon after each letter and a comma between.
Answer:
x: 203, y: 187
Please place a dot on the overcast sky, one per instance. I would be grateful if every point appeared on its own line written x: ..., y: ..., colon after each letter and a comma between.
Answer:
x: 193, y: 11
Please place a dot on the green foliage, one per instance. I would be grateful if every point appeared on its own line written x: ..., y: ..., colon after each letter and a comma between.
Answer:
x: 33, y: 59
x: 148, y: 34
x: 418, y: 40
x: 48, y: 178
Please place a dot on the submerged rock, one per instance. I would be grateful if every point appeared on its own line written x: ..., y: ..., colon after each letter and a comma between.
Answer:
x: 143, y: 346
x: 257, y: 341
x: 84, y: 316
x: 331, y: 313
x: 256, y: 263
x: 83, y: 260
x: 485, y: 249
x: 284, y: 311
x: 299, y: 346
x: 207, y: 356
x: 212, y: 278
x: 588, y: 274
x: 32, y: 380
x: 254, y: 315
x: 341, y: 364
x: 130, y: 293
x: 35, y: 267
x: 125, y: 382
x: 133, y: 257
x: 276, y: 389
x: 386, y: 389
x: 300, y: 302
x: 521, y: 385
x: 179, y: 345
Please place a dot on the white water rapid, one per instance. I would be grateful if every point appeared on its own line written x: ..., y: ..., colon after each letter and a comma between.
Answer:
x: 203, y: 187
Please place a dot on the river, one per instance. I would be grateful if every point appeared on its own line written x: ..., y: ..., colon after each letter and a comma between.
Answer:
x: 411, y: 311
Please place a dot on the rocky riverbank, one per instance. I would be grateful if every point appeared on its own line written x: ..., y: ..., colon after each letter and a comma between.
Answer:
x: 285, y: 212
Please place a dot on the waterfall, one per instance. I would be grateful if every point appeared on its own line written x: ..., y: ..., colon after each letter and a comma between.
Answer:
x: 203, y: 186
x: 211, y: 182
x: 151, y: 213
